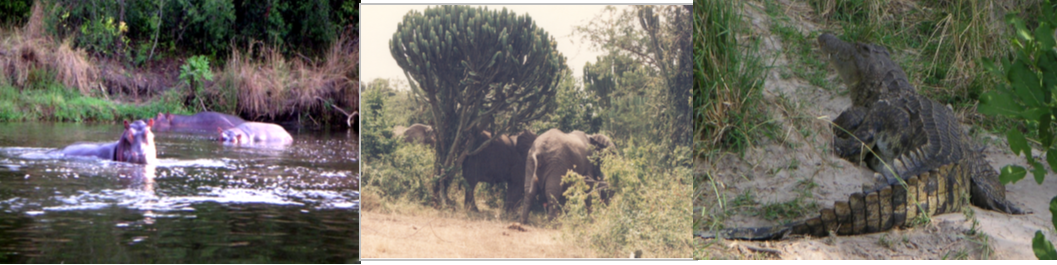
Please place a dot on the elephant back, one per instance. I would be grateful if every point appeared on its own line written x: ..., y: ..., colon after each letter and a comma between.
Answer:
x: 557, y: 152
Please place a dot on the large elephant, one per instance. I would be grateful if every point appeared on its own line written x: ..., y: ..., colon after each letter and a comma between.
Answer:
x: 417, y: 133
x: 502, y: 161
x: 552, y: 155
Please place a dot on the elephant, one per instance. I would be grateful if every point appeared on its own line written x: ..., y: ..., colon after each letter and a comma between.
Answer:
x: 552, y: 155
x: 502, y: 161
x: 418, y: 132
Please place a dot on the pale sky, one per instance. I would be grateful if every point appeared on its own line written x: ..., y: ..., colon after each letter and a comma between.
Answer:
x: 378, y: 23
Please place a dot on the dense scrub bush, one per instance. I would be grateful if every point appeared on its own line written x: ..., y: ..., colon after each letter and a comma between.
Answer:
x: 136, y: 30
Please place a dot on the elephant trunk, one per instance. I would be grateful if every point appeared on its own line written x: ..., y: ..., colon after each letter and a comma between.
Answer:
x: 530, y: 185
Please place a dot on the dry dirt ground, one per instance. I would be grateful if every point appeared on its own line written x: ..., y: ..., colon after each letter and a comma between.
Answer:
x: 429, y: 233
x: 776, y: 170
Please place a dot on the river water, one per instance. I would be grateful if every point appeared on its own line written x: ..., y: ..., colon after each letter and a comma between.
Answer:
x: 203, y: 202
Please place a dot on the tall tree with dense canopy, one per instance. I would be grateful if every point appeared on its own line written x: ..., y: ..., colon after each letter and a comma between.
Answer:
x: 657, y: 36
x: 479, y: 69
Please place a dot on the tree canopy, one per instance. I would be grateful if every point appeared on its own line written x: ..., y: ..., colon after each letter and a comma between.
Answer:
x: 478, y: 69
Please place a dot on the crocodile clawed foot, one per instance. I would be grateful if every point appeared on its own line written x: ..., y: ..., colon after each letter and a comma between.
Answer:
x: 1008, y: 207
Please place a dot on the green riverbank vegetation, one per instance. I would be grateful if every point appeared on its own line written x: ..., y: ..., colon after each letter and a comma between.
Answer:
x: 109, y: 61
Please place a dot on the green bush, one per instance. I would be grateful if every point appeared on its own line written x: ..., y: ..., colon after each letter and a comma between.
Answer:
x: 403, y: 174
x: 649, y: 209
x: 193, y: 73
x: 1031, y: 81
x: 208, y: 27
x: 376, y: 132
x: 14, y: 11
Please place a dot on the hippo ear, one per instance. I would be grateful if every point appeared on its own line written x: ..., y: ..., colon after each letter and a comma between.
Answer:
x: 126, y: 124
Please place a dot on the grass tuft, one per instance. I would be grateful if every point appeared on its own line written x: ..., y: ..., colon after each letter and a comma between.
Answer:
x: 728, y: 78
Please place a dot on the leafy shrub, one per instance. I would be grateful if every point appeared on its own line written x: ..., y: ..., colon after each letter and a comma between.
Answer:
x: 14, y: 11
x: 193, y: 73
x: 376, y: 130
x: 403, y: 174
x: 650, y: 207
x: 1031, y: 79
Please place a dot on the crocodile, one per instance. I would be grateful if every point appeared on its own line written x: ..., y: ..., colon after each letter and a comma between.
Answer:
x: 925, y: 163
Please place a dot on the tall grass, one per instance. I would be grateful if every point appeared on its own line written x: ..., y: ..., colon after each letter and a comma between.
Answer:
x: 271, y: 86
x: 727, y: 79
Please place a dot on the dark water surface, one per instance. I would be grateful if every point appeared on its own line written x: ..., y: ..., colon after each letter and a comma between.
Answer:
x: 203, y: 202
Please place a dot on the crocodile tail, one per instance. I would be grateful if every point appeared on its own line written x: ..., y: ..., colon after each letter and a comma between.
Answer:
x: 937, y: 191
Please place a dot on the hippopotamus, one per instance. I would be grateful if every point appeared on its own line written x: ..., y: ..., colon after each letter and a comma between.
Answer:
x: 136, y: 145
x: 256, y: 133
x: 200, y: 122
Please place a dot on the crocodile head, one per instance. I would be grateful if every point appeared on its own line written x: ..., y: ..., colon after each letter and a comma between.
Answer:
x: 866, y: 69
x: 842, y: 55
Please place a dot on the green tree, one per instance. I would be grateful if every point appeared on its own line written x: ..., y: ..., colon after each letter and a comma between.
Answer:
x: 575, y: 108
x: 479, y: 69
x: 658, y: 36
x: 376, y: 129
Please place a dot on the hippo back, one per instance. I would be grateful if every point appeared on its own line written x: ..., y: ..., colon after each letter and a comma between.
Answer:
x: 257, y: 133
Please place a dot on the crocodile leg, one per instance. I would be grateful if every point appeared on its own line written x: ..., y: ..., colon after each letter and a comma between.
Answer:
x: 988, y: 192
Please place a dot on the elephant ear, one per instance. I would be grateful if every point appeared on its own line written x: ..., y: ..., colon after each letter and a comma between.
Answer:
x: 601, y: 142
x: 524, y: 140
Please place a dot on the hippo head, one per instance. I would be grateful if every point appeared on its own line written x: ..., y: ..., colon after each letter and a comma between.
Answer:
x: 233, y: 135
x: 162, y: 121
x: 136, y: 144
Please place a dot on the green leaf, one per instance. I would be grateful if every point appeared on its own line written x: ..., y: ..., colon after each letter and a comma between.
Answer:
x: 1017, y: 142
x: 1044, y: 36
x: 1043, y: 249
x: 1026, y: 85
x: 1011, y: 174
x: 1039, y: 171
x: 1053, y: 211
x: 994, y: 103
x: 1051, y: 158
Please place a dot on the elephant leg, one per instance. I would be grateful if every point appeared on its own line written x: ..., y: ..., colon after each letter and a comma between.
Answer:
x: 514, y: 194
x: 471, y: 203
x: 530, y: 192
x: 553, y: 191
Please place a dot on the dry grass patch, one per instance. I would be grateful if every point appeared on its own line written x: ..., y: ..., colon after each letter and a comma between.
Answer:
x: 27, y: 56
x: 273, y: 86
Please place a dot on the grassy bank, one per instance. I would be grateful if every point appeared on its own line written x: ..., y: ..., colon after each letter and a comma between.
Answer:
x: 51, y: 73
x: 55, y: 102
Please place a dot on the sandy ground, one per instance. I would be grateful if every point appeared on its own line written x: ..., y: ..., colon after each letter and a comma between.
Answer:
x: 773, y: 172
x: 387, y: 235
